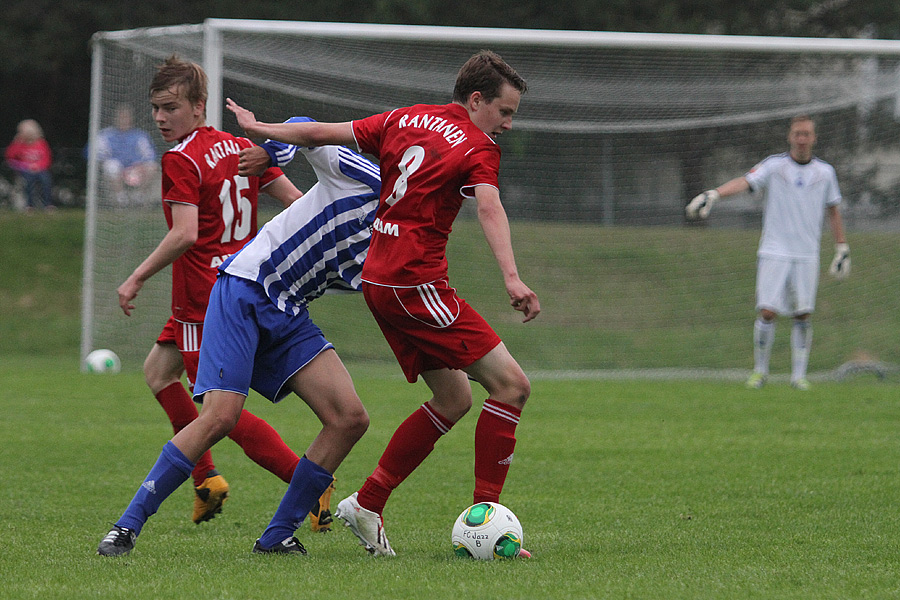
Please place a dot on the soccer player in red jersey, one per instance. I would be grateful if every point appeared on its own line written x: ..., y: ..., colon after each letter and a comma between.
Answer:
x: 432, y: 158
x: 211, y: 213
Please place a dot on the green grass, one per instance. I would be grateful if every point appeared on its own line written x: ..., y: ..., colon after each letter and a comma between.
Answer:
x: 40, y: 283
x: 612, y: 298
x: 624, y: 489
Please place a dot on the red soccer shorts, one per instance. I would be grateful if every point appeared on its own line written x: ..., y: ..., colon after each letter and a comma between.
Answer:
x: 187, y: 338
x: 429, y: 327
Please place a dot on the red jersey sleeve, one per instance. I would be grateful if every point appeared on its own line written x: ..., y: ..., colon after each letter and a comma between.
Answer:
x: 369, y: 133
x: 180, y: 179
x: 271, y: 174
x: 483, y: 169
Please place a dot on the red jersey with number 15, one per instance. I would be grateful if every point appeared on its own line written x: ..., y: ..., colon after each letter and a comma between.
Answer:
x: 432, y: 157
x: 202, y: 171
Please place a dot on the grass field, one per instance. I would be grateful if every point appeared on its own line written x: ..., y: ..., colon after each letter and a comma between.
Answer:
x: 625, y: 489
x: 612, y: 298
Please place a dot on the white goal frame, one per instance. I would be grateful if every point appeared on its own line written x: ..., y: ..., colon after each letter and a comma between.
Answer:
x: 212, y: 30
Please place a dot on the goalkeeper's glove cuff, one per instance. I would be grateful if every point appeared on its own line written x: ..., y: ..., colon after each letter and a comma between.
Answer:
x: 842, y: 249
x: 712, y: 196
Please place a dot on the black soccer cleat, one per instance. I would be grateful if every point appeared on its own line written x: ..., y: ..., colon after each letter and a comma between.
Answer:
x: 290, y: 545
x: 118, y: 542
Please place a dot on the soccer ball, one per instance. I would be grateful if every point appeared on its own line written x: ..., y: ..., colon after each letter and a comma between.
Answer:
x: 487, y: 531
x: 103, y: 361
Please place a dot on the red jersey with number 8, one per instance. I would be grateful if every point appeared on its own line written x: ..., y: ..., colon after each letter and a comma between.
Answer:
x: 432, y: 157
x: 202, y: 171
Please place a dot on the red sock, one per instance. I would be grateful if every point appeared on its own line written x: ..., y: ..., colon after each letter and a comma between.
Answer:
x: 181, y: 410
x: 410, y: 444
x: 264, y: 446
x: 495, y: 441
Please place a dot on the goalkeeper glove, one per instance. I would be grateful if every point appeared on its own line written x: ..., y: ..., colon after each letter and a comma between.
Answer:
x: 840, y: 265
x: 701, y: 204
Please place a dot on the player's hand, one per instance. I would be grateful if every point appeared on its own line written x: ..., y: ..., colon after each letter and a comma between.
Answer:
x: 700, y: 206
x: 253, y: 161
x: 246, y: 119
x: 522, y: 299
x: 840, y: 265
x: 128, y: 291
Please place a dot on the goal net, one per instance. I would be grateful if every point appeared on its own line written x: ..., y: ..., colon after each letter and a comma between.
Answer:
x: 615, y: 134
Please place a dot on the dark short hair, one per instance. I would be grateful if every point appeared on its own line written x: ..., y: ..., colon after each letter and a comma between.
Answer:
x: 485, y: 72
x: 184, y: 74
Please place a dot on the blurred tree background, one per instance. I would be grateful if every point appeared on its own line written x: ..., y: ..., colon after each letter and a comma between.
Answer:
x: 45, y: 44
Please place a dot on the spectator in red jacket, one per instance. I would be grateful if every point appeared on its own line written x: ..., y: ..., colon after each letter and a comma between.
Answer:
x: 29, y: 156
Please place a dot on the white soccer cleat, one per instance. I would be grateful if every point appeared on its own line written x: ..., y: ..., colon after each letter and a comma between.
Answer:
x: 366, y: 525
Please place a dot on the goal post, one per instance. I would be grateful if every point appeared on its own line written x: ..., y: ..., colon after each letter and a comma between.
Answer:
x: 616, y: 133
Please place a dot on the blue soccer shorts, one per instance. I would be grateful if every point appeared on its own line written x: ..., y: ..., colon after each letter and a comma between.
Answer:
x: 249, y: 343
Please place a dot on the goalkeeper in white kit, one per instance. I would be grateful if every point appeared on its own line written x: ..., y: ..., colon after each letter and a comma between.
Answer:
x: 800, y: 189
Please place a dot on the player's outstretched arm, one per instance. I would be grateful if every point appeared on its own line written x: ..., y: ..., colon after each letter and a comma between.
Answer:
x: 246, y: 119
x: 699, y: 207
x: 310, y: 133
x: 271, y: 153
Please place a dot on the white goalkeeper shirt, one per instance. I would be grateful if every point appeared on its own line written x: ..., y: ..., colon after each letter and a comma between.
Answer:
x: 320, y: 241
x: 796, y: 198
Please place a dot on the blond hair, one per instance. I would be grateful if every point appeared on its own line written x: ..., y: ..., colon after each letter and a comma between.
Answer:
x: 188, y: 77
x: 29, y: 130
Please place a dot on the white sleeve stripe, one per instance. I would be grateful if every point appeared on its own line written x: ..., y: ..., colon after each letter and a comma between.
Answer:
x: 358, y: 161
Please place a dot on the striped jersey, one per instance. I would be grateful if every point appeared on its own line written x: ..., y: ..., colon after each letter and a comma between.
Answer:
x: 320, y: 241
x: 796, y: 198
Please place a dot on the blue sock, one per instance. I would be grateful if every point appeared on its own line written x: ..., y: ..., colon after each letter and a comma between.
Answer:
x: 308, y: 483
x: 172, y: 468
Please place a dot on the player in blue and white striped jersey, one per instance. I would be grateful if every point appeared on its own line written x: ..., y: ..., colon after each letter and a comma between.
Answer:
x: 322, y: 242
x: 258, y: 334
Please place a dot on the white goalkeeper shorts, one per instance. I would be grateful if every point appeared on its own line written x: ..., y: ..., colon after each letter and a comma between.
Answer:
x: 786, y: 286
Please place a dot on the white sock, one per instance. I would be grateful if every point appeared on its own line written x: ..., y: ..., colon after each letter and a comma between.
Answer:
x: 801, y: 340
x: 763, y: 337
